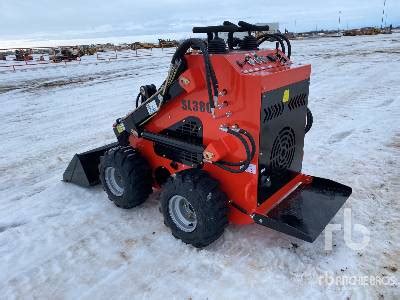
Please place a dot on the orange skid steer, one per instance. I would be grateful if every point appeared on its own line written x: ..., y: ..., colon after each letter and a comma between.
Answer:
x: 222, y: 138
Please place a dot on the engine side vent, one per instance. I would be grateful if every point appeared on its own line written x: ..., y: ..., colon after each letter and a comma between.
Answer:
x: 297, y: 101
x: 283, y: 149
x: 189, y: 130
x: 273, y: 111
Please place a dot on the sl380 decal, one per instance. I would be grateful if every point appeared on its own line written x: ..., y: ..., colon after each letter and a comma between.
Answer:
x: 195, y: 105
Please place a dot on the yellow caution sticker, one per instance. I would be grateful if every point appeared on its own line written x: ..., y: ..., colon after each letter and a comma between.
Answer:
x: 120, y: 127
x: 286, y: 96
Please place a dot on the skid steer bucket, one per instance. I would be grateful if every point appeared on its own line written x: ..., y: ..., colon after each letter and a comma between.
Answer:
x: 83, y: 169
x: 306, y: 211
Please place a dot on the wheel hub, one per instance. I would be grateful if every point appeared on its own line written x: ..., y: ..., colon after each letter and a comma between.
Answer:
x: 182, y: 213
x: 114, y: 181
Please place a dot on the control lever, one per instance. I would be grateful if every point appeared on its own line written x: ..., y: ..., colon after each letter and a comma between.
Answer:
x: 258, y: 59
x: 252, y: 27
x: 247, y: 59
x: 215, y: 29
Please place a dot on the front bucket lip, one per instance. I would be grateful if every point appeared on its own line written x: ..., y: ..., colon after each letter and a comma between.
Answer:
x: 306, y: 209
x: 83, y: 170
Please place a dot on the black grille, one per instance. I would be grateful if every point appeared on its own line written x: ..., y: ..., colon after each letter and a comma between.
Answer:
x: 188, y: 130
x: 283, y: 149
x: 281, y: 137
x: 298, y: 101
x: 273, y: 111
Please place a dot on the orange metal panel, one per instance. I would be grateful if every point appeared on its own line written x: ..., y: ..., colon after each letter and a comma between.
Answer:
x: 242, y: 107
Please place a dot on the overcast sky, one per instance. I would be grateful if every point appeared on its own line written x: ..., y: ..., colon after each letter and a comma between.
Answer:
x: 69, y: 19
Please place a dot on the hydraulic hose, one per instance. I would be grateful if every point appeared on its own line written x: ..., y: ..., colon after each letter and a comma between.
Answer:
x: 137, y: 100
x: 272, y: 38
x: 277, y: 37
x: 252, y: 142
x: 289, y: 46
x: 211, y: 80
x: 309, y: 120
x: 243, y: 164
x: 253, y: 150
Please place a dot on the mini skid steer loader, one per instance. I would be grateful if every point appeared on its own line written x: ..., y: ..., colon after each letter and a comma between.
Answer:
x: 222, y: 138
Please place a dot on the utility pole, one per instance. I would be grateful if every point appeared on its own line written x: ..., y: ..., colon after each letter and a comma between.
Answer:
x: 383, y: 13
x: 340, y: 12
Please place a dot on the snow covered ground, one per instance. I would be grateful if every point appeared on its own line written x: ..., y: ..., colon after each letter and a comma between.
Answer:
x: 61, y: 241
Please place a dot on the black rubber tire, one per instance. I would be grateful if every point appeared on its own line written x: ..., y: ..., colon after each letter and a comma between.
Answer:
x: 207, y: 200
x: 309, y: 121
x: 135, y: 173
